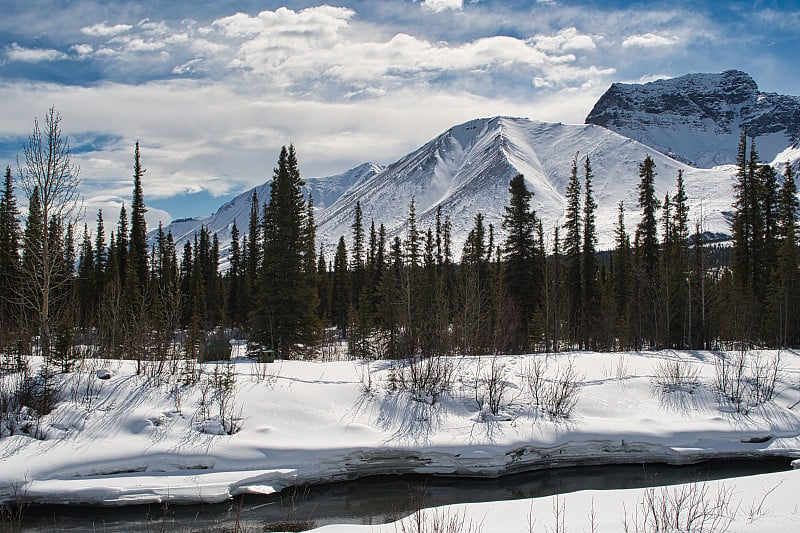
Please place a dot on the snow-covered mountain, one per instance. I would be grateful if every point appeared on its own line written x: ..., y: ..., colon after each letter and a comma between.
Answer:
x: 325, y: 191
x: 698, y: 118
x: 467, y: 169
x: 691, y: 123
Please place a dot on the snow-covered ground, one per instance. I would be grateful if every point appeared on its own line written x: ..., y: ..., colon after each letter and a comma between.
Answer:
x: 137, y: 439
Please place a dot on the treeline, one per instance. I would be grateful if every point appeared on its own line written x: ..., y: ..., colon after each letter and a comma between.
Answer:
x: 402, y: 296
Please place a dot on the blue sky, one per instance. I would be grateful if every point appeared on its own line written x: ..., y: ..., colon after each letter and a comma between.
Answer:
x: 213, y: 89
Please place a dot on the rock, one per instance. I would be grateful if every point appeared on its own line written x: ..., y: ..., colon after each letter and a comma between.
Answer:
x: 103, y: 374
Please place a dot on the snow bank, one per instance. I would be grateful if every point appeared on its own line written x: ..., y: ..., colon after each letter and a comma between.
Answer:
x: 132, y: 439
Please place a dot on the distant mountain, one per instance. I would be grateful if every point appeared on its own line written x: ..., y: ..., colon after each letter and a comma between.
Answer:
x: 698, y: 118
x: 325, y: 191
x: 691, y: 123
x: 466, y: 170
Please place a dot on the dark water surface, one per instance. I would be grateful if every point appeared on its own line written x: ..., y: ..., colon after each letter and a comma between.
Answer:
x: 375, y: 500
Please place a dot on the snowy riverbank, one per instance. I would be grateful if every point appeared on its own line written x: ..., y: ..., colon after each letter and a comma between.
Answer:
x: 134, y: 439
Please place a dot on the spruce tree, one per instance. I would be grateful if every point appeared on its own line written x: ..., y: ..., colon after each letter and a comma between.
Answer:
x: 9, y: 254
x: 285, y: 316
x: 138, y: 236
x: 647, y: 230
x: 590, y: 312
x: 340, y: 288
x: 786, y: 303
x: 622, y: 276
x: 521, y: 273
x: 122, y: 246
x: 100, y: 256
x: 572, y: 254
x: 86, y: 280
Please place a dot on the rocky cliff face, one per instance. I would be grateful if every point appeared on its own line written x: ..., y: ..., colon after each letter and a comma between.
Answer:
x: 698, y: 118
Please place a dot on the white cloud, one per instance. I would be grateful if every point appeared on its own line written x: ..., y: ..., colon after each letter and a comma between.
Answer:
x: 102, y: 29
x: 649, y: 40
x: 140, y: 45
x: 82, y: 50
x: 565, y: 40
x: 439, y: 6
x: 33, y: 55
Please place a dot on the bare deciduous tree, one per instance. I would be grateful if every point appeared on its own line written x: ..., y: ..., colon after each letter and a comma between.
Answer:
x: 47, y: 173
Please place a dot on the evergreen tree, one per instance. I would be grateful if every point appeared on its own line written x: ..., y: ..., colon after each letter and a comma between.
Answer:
x: 786, y: 302
x: 86, y: 280
x: 648, y: 306
x: 572, y: 254
x: 340, y: 288
x: 590, y: 312
x: 679, y: 266
x: 32, y: 246
x: 521, y: 274
x: 286, y: 317
x: 647, y: 230
x: 100, y: 256
x: 622, y: 276
x: 9, y: 256
x: 138, y: 235
x: 122, y: 246
x: 233, y: 284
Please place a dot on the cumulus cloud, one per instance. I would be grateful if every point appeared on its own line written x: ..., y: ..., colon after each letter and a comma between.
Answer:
x: 82, y: 50
x: 101, y: 29
x: 33, y: 55
x: 439, y: 6
x: 649, y: 40
x: 565, y: 40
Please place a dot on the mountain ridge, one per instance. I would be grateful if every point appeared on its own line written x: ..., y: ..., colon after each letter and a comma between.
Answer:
x: 467, y: 168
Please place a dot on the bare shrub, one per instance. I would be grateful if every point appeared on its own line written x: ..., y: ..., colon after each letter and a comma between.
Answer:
x: 438, y: 521
x: 533, y: 375
x: 746, y: 380
x: 676, y: 376
x: 365, y: 377
x: 426, y: 378
x: 685, y: 508
x: 443, y: 520
x: 490, y: 385
x: 561, y: 393
x: 764, y: 374
x: 730, y: 378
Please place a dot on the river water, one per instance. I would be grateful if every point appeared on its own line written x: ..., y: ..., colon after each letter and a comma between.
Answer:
x: 375, y: 500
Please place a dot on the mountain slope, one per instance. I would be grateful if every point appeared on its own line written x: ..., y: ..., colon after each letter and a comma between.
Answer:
x: 698, y: 118
x: 325, y: 191
x: 466, y: 170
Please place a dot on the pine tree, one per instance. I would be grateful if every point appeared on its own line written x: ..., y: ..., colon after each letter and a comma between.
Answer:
x: 233, y: 284
x: 679, y: 266
x: 340, y: 288
x: 647, y: 230
x: 138, y: 235
x: 32, y: 245
x: 122, y: 246
x: 285, y: 316
x: 9, y: 256
x: 100, y: 256
x: 786, y: 302
x: 572, y: 254
x: 521, y: 273
x: 589, y: 270
x: 86, y: 280
x: 647, y: 303
x: 622, y: 275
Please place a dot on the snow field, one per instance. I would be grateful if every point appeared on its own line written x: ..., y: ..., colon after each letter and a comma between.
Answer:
x: 139, y: 439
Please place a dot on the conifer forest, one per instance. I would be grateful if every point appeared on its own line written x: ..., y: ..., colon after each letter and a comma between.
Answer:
x: 78, y: 284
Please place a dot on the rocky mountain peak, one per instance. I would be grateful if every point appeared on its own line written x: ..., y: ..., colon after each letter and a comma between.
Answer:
x: 697, y: 118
